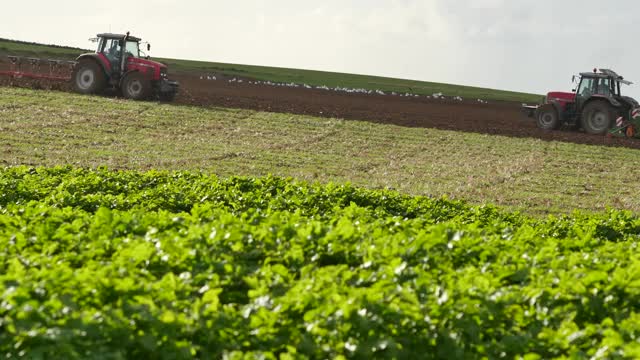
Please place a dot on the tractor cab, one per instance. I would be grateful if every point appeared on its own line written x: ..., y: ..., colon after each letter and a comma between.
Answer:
x: 605, y: 83
x: 114, y: 46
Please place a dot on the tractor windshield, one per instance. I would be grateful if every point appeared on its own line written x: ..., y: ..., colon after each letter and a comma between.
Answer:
x: 133, y: 49
x: 111, y: 48
x: 597, y: 86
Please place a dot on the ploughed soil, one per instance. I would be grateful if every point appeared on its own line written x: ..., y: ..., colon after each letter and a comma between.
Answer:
x: 470, y: 115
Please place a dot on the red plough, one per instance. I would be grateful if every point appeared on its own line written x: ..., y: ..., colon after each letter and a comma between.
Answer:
x: 32, y: 68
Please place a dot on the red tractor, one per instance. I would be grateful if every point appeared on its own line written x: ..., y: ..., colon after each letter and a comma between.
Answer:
x: 117, y: 64
x: 597, y: 106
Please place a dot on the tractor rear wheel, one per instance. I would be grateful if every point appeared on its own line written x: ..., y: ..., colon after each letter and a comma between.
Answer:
x: 597, y: 117
x: 547, y: 117
x: 88, y: 78
x: 136, y: 87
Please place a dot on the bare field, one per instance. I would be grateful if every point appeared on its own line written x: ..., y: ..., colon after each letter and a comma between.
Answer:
x: 534, y: 176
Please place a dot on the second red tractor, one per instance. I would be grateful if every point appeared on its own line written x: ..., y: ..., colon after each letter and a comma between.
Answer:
x: 597, y: 106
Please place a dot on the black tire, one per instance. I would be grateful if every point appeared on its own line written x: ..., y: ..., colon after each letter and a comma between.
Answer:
x: 88, y: 78
x: 547, y: 117
x: 136, y: 87
x: 597, y: 117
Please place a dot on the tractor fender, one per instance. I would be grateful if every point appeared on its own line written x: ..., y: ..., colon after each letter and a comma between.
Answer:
x: 631, y: 102
x: 613, y: 102
x: 559, y: 110
x: 628, y: 103
x: 100, y: 59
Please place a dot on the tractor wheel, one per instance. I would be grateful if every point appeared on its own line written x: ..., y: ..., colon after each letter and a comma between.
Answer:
x: 88, y: 78
x: 136, y: 87
x: 547, y: 117
x: 597, y: 117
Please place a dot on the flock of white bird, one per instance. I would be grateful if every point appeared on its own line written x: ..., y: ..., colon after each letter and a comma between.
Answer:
x: 438, y: 95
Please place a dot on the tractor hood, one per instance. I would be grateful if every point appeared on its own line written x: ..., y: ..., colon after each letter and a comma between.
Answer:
x: 560, y: 96
x: 147, y: 63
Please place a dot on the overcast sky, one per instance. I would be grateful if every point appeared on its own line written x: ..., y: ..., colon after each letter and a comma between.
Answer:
x: 523, y: 45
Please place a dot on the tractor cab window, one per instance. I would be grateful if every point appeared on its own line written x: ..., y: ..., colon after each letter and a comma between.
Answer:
x: 133, y: 49
x: 586, y: 87
x: 603, y: 87
x: 110, y: 48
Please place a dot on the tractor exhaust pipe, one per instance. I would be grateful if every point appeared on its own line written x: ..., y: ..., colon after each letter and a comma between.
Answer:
x: 123, y: 52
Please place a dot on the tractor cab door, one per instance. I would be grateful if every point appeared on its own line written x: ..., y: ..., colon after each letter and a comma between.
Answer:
x: 585, y: 91
x: 111, y: 49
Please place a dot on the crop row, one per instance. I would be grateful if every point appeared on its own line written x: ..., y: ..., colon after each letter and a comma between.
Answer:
x: 99, y: 264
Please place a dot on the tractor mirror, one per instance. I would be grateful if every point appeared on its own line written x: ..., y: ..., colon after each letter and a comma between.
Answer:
x: 573, y: 79
x: 573, y: 90
x: 148, y: 47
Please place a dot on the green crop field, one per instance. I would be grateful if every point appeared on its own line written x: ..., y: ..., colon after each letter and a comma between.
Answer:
x: 99, y: 264
x: 139, y: 230
x: 297, y: 76
x: 537, y: 177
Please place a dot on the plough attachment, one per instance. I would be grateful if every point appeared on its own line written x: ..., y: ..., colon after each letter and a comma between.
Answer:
x: 34, y: 68
x: 627, y: 128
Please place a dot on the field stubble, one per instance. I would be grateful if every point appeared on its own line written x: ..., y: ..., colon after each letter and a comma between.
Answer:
x: 538, y: 177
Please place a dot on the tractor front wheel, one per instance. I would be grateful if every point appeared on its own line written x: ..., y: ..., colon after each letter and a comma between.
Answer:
x: 136, y: 87
x: 547, y: 117
x: 88, y: 78
x: 597, y: 117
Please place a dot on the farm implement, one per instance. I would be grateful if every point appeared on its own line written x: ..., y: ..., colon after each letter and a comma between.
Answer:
x: 32, y: 68
x: 117, y: 64
x: 597, y: 106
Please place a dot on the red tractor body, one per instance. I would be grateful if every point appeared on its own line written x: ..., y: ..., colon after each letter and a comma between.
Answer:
x: 151, y: 68
x: 597, y: 105
x: 117, y: 64
x: 562, y: 98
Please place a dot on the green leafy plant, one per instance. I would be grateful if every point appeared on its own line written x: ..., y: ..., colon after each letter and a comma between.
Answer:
x: 101, y: 264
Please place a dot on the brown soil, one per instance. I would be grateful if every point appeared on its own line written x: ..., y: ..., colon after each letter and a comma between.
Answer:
x: 496, y: 118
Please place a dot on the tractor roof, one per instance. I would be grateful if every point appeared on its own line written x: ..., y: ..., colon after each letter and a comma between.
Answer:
x: 605, y: 74
x: 118, y: 36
